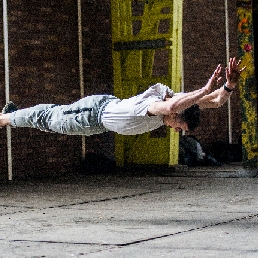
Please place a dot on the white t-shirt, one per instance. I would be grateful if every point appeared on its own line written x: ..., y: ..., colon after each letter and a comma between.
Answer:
x: 129, y: 116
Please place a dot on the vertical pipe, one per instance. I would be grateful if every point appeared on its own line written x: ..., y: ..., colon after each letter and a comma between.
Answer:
x: 227, y: 54
x: 7, y: 93
x: 81, y: 66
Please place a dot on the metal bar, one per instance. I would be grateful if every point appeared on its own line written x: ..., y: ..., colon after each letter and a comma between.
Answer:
x: 141, y: 45
x: 230, y: 140
x: 7, y: 89
x: 81, y: 67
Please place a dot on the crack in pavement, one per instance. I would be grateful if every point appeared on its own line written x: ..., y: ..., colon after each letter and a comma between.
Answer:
x: 188, y: 230
x: 59, y: 242
x: 29, y: 209
x: 141, y: 240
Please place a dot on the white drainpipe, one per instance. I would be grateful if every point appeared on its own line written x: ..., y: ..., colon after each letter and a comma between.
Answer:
x: 81, y: 66
x: 7, y: 92
x: 227, y: 52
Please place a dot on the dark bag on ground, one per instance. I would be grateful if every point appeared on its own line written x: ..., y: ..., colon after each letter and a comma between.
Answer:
x: 192, y: 154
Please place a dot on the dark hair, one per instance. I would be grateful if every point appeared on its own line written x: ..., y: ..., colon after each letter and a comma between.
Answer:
x: 191, y: 116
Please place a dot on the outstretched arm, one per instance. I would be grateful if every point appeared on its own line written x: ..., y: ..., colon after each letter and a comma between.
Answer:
x: 218, y: 97
x: 183, y: 101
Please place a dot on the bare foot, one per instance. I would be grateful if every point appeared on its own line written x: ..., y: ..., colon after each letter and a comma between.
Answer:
x: 4, y: 119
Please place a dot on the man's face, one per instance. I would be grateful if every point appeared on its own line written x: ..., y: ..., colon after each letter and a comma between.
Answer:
x: 175, y: 121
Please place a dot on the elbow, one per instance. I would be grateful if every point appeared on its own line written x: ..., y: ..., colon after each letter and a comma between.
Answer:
x: 172, y: 108
x: 219, y: 102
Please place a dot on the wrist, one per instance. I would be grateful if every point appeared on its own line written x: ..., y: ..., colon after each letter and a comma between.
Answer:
x: 228, y: 88
x: 230, y: 85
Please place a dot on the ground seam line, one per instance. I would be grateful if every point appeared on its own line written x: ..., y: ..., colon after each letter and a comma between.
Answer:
x: 188, y: 230
x: 142, y: 240
x: 79, y: 203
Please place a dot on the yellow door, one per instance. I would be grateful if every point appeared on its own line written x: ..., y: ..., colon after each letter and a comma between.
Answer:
x: 147, y: 49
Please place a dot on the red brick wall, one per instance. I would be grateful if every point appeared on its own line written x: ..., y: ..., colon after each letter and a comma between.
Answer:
x: 44, y: 68
x: 43, y: 45
x: 43, y: 56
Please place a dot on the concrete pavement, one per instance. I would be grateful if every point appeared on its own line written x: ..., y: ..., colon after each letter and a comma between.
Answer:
x: 176, y: 215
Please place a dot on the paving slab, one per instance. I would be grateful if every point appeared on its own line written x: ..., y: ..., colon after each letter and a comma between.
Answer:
x: 235, y: 239
x: 119, y: 216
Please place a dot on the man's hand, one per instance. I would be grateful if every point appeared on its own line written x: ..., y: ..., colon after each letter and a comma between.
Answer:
x: 233, y: 72
x: 214, y: 80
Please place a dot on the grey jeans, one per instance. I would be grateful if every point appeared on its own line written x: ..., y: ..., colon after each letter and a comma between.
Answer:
x: 79, y: 118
